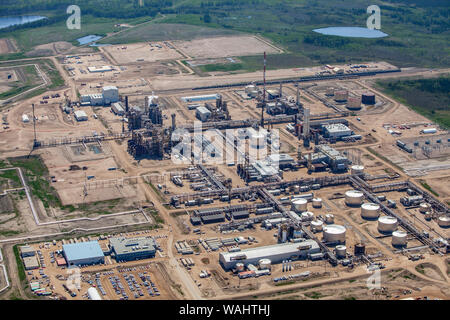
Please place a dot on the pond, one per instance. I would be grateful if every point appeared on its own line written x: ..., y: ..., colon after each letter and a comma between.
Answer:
x: 6, y: 22
x: 88, y: 39
x: 353, y: 32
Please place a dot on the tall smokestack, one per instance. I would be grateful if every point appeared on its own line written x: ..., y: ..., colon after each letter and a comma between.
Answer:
x: 34, y: 126
x: 281, y: 89
x: 298, y: 94
x: 126, y: 103
x: 173, y: 121
x: 264, y: 92
x: 306, y: 122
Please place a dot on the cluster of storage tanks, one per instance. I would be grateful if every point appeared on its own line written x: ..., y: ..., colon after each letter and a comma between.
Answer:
x: 354, y: 198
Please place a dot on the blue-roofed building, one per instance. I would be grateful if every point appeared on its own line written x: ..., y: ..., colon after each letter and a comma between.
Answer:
x: 83, y: 253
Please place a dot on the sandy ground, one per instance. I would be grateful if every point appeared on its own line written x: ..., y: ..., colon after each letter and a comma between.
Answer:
x: 7, y: 46
x: 224, y: 47
x: 139, y: 52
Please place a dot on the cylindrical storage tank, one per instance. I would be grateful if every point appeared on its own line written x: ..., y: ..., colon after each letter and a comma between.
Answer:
x: 330, y: 91
x: 424, y: 207
x: 428, y: 216
x: 341, y: 251
x: 258, y: 139
x: 360, y: 249
x: 370, y: 210
x: 329, y: 218
x: 317, y: 203
x: 93, y: 294
x: 354, y: 197
x: 300, y: 205
x: 387, y: 224
x: 264, y: 264
x: 307, y: 215
x: 399, y: 238
x: 240, y: 267
x: 354, y: 103
x: 357, y: 169
x: 340, y: 95
x: 444, y: 222
x: 317, y: 225
x: 334, y: 233
x: 368, y: 98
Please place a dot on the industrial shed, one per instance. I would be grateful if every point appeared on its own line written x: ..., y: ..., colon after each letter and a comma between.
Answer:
x: 83, y: 253
x: 240, y: 215
x: 126, y: 249
x: 80, y: 115
x: 196, y: 220
x: 30, y: 262
x: 275, y: 253
x: 213, y: 218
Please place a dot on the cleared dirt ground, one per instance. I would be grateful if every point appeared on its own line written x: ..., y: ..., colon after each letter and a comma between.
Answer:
x: 224, y: 47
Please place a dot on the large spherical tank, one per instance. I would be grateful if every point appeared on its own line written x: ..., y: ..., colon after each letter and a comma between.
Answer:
x: 444, y: 222
x: 424, y: 207
x: 334, y: 233
x: 341, y: 251
x: 368, y: 98
x: 317, y: 225
x: 387, y: 224
x: 307, y: 215
x: 354, y: 103
x: 399, y: 238
x: 354, y: 197
x: 357, y: 169
x: 317, y: 203
x: 329, y: 218
x: 341, y: 95
x: 299, y: 205
x: 93, y: 294
x: 370, y: 210
x: 264, y: 264
x: 240, y: 267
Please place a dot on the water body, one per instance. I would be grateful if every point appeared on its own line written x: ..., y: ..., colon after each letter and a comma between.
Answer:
x: 99, y: 45
x: 88, y: 39
x: 6, y: 22
x: 353, y: 32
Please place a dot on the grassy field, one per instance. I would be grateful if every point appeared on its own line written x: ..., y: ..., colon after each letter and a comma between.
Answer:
x: 429, y: 97
x: 31, y: 80
x: 36, y: 173
x: 29, y: 38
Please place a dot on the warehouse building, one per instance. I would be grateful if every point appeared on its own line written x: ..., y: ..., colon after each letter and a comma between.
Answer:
x: 110, y: 94
x: 26, y: 251
x: 30, y: 263
x: 80, y: 115
x: 213, y: 218
x: 129, y: 249
x: 117, y: 108
x: 275, y: 253
x: 336, y: 130
x: 100, y: 69
x: 202, y: 114
x: 83, y: 253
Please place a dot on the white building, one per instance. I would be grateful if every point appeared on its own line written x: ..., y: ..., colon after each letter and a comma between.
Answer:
x: 100, y: 69
x: 25, y: 118
x: 110, y: 94
x: 337, y: 130
x: 117, y: 108
x: 80, y: 115
x: 202, y: 113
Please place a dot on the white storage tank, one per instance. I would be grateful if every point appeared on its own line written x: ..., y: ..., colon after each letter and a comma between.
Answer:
x: 317, y: 225
x: 357, y: 169
x: 387, y: 224
x: 399, y: 238
x: 329, y: 218
x: 353, y: 197
x: 424, y: 207
x: 370, y: 210
x: 330, y: 91
x: 257, y: 138
x: 317, y: 203
x: 341, y: 251
x: 93, y: 294
x: 240, y: 267
x: 354, y: 103
x: 307, y: 215
x: 444, y: 222
x: 299, y: 205
x: 334, y: 233
x: 25, y: 118
x: 264, y: 264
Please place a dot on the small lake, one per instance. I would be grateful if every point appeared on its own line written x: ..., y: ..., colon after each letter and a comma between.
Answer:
x: 6, y: 22
x: 353, y: 32
x: 88, y: 39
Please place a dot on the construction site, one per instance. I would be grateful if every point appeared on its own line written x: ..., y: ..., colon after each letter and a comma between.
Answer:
x: 154, y: 182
